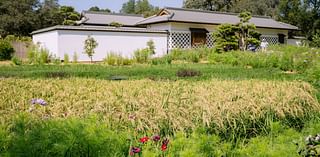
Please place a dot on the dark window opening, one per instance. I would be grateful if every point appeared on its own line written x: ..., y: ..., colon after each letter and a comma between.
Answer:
x: 281, y: 38
x: 198, y: 37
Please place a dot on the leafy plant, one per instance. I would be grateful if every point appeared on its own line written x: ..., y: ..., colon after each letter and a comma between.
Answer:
x: 151, y: 46
x: 142, y: 55
x: 16, y: 60
x: 66, y: 59
x: 316, y: 40
x: 90, y: 45
x: 6, y: 50
x: 37, y: 55
x: 75, y: 57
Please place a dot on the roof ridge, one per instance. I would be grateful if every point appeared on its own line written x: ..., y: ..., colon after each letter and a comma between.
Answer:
x: 216, y: 12
x: 107, y: 13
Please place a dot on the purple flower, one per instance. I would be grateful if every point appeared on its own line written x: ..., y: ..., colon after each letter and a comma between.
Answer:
x: 134, y: 150
x: 156, y: 138
x: 39, y: 102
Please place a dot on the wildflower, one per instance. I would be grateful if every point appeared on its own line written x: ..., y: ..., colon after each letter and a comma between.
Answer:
x: 39, y: 102
x: 156, y: 138
x: 164, y: 145
x: 134, y: 150
x: 132, y: 117
x: 144, y: 139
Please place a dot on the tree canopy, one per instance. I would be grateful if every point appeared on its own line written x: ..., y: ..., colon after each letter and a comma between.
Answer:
x: 96, y: 8
x: 21, y: 17
x: 142, y: 7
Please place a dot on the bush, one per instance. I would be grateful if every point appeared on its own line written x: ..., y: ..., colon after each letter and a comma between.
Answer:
x: 188, y: 73
x: 75, y: 57
x: 38, y: 55
x: 191, y: 55
x: 286, y: 58
x: 142, y: 55
x: 16, y: 60
x: 66, y: 59
x: 116, y: 59
x: 162, y: 60
x: 6, y: 50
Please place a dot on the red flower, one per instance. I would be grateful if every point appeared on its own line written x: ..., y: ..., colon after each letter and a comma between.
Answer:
x: 144, y: 139
x: 164, y: 147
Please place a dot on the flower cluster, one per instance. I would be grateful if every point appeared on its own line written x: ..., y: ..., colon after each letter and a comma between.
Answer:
x: 144, y: 140
x: 39, y: 102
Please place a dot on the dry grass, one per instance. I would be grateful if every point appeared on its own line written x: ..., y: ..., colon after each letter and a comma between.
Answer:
x: 176, y: 105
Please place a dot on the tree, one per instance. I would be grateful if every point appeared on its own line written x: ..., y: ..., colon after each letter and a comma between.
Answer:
x: 18, y: 17
x: 256, y: 7
x: 89, y: 45
x: 129, y: 7
x: 48, y: 14
x: 69, y: 15
x: 226, y: 38
x: 233, y: 37
x: 212, y: 5
x: 304, y: 14
x: 244, y: 31
x: 96, y: 8
x: 142, y: 7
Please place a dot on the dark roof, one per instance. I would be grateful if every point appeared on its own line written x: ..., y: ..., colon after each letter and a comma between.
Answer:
x: 210, y: 17
x: 99, y: 28
x: 102, y: 18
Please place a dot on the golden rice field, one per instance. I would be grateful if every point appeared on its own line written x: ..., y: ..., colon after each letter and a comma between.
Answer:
x: 178, y: 104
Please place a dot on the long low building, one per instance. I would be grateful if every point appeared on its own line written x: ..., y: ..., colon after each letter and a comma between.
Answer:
x: 169, y: 29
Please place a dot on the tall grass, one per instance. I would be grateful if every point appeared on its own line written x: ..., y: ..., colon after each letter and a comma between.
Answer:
x: 223, y: 107
x: 286, y: 58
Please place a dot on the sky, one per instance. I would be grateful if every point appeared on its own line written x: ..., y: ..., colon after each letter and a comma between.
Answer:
x: 114, y: 5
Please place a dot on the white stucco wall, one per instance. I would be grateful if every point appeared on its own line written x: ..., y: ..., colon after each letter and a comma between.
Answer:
x: 47, y: 40
x: 124, y: 43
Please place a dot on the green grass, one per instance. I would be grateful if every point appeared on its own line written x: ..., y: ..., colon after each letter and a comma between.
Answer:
x: 135, y: 72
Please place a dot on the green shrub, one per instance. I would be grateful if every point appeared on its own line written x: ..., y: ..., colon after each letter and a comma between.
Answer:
x: 38, y: 55
x: 190, y: 55
x: 6, y: 50
x: 71, y: 137
x: 16, y: 60
x: 111, y: 59
x: 142, y: 55
x: 161, y: 60
x: 66, y: 59
x: 126, y: 61
x: 286, y: 58
x: 116, y: 59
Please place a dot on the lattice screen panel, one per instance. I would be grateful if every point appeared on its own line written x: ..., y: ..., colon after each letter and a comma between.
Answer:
x: 210, y: 41
x: 272, y: 40
x: 179, y: 40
